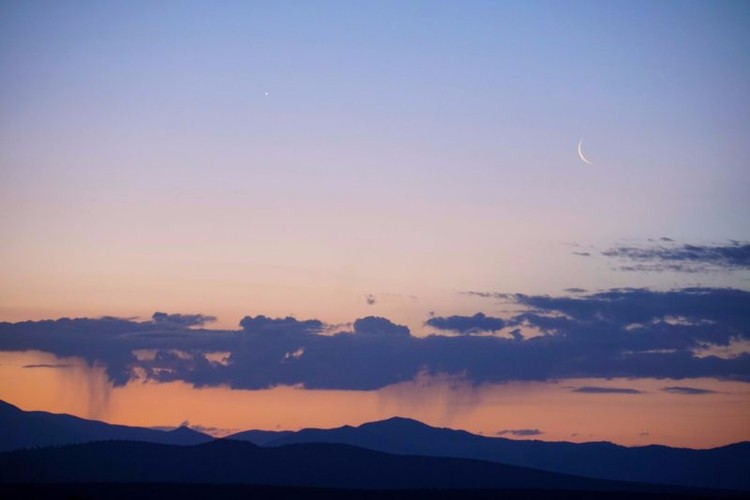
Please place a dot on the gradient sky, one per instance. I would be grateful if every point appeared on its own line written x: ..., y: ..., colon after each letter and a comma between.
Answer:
x: 337, y: 160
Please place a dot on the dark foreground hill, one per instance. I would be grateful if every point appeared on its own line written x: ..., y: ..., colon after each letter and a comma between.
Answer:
x: 166, y: 491
x: 300, y: 465
x: 725, y: 467
x: 24, y: 429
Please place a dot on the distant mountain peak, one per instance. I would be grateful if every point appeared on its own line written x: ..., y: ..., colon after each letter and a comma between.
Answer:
x: 397, y: 418
x: 401, y: 422
x: 185, y: 435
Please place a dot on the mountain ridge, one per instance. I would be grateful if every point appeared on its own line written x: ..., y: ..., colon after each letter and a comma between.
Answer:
x: 23, y: 429
x: 658, y: 464
x: 720, y: 467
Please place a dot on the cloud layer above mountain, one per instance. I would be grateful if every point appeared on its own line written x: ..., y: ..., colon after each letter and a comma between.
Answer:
x: 617, y: 333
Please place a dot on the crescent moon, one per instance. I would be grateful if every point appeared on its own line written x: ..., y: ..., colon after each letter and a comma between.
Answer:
x: 580, y: 153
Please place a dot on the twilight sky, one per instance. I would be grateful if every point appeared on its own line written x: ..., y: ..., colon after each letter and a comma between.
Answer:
x: 362, y: 209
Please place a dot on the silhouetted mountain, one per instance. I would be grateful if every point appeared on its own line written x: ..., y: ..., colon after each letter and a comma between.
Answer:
x: 316, y: 465
x: 182, y: 435
x: 23, y: 429
x: 724, y: 467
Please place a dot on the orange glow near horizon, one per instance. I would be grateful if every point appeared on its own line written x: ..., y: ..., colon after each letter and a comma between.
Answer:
x: 39, y: 381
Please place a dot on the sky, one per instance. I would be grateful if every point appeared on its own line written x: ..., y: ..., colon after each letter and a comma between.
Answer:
x: 325, y: 213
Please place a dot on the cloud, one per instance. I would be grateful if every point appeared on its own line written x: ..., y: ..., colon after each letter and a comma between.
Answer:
x: 181, y: 320
x: 467, y: 325
x: 691, y: 391
x: 520, y: 432
x: 48, y: 365
x: 373, y: 325
x: 704, y: 315
x: 606, y: 390
x: 626, y: 333
x: 734, y: 255
x: 295, y: 355
x: 486, y: 295
x: 516, y: 334
x: 288, y: 325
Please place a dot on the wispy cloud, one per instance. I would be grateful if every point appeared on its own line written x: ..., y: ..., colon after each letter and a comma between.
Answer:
x: 693, y: 391
x: 181, y: 320
x: 487, y: 295
x: 606, y: 390
x: 47, y: 365
x: 519, y: 432
x: 669, y: 256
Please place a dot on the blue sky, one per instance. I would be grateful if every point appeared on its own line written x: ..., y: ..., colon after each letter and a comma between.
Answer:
x: 402, y: 147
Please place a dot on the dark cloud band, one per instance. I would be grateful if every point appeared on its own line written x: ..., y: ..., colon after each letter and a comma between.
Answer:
x: 618, y: 333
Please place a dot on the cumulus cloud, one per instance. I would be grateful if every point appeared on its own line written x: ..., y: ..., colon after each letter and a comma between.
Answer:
x: 617, y: 333
x: 374, y: 325
x: 669, y: 256
x: 691, y: 391
x: 606, y: 390
x: 467, y: 325
x: 520, y: 432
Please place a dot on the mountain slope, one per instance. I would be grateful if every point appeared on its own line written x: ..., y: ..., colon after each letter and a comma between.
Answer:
x: 723, y: 467
x: 319, y: 465
x: 23, y: 429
